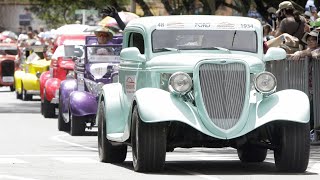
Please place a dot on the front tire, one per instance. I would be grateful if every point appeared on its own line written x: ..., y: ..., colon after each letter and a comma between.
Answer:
x: 25, y: 96
x: 78, y: 125
x: 48, y: 109
x: 292, y: 147
x: 251, y: 153
x: 62, y: 125
x: 12, y: 88
x: 108, y: 153
x: 18, y: 95
x: 148, y: 144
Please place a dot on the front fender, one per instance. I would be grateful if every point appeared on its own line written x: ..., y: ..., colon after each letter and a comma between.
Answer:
x: 43, y: 78
x: 83, y: 103
x: 30, y: 82
x: 51, y: 86
x: 156, y: 105
x: 18, y: 80
x: 66, y: 87
x: 117, y: 110
x: 288, y: 105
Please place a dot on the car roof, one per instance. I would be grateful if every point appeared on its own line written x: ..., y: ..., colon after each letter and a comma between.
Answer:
x: 61, y: 39
x: 196, y: 22
x: 8, y: 44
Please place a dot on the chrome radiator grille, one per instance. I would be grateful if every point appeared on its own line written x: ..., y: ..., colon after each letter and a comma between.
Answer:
x: 223, y: 89
x: 7, y: 67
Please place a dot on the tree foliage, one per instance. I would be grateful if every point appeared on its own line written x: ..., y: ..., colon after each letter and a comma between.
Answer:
x: 59, y: 12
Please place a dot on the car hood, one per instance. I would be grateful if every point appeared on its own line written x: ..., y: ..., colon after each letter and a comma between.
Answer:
x: 69, y: 65
x: 189, y: 60
x: 40, y: 63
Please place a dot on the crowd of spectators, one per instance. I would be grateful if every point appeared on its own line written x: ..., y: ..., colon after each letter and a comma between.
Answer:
x: 296, y: 32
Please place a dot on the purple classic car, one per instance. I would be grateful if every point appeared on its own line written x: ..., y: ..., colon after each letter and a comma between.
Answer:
x: 78, y: 97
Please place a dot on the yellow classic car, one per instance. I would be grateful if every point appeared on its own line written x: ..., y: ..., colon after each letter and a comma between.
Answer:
x: 26, y: 80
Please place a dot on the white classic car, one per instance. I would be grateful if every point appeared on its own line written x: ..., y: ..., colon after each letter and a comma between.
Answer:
x: 200, y: 81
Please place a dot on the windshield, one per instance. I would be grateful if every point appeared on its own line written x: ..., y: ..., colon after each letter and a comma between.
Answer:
x: 237, y: 40
x: 68, y: 51
x: 102, y: 54
x: 8, y: 50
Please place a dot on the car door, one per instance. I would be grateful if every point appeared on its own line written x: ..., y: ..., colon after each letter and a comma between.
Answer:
x: 131, y: 71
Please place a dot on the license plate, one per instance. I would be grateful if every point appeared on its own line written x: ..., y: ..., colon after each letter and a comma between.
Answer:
x: 7, y: 79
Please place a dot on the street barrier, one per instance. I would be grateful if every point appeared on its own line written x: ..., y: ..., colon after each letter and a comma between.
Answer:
x: 290, y: 74
x: 303, y: 75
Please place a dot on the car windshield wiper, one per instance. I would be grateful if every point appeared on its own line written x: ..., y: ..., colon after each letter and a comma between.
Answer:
x: 234, y: 35
x: 166, y: 49
x: 215, y: 48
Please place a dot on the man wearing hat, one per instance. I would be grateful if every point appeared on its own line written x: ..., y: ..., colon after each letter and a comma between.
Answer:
x: 312, y: 41
x: 104, y: 36
x: 293, y: 23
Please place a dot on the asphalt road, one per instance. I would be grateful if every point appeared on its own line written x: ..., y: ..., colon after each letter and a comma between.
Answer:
x: 31, y: 148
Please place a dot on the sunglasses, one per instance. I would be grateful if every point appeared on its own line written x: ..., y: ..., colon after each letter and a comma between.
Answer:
x: 102, y: 35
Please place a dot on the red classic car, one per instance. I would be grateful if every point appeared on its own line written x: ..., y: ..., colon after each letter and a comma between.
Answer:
x: 61, y: 66
x: 9, y: 57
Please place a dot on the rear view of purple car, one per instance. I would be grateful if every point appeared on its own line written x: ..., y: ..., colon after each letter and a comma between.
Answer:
x: 79, y: 96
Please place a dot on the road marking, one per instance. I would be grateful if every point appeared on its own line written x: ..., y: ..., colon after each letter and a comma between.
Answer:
x: 57, y: 138
x: 14, y: 177
x: 11, y: 161
x: 196, y: 174
x: 48, y: 155
x: 315, y: 168
x: 75, y: 160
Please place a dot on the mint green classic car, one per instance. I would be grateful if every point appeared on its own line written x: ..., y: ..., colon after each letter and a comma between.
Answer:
x: 200, y: 81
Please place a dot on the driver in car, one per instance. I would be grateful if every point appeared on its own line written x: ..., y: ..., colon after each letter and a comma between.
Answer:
x: 104, y: 35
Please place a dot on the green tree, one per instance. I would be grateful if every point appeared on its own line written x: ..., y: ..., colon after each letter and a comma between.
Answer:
x: 58, y: 12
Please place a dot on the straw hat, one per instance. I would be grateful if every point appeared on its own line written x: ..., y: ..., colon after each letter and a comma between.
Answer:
x: 307, y: 34
x: 104, y: 30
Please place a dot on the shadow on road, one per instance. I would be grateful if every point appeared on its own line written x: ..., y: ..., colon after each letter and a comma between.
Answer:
x: 5, y: 91
x: 24, y: 107
x: 218, y: 167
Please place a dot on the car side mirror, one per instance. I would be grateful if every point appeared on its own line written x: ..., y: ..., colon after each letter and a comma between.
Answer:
x: 74, y: 58
x: 132, y: 54
x: 275, y: 53
x: 78, y: 52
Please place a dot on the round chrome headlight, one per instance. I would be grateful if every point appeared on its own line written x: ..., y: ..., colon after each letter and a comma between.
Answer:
x: 38, y: 74
x: 265, y: 82
x: 180, y: 82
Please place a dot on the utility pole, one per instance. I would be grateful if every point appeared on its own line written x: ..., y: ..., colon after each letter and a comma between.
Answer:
x: 84, y: 18
x: 133, y: 6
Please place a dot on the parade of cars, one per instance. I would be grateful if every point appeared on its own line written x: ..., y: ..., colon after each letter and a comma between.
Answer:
x: 163, y: 94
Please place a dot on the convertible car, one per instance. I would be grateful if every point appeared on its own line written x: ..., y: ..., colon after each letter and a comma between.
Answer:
x: 78, y: 97
x: 26, y: 80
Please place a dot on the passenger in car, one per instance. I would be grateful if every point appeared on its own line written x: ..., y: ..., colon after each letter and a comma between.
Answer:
x: 104, y: 36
